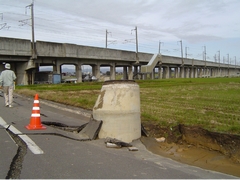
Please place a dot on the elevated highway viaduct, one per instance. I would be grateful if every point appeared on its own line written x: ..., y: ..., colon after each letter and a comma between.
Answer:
x: 26, y: 58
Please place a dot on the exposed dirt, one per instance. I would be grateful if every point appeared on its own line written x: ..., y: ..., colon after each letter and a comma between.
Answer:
x: 195, y: 146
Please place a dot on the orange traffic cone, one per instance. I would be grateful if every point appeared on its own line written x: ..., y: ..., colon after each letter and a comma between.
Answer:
x: 35, y: 121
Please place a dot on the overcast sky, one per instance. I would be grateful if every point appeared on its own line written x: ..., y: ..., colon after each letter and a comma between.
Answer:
x: 213, y: 25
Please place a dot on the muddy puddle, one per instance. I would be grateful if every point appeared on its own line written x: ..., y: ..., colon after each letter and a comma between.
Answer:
x: 192, y: 155
x: 189, y: 147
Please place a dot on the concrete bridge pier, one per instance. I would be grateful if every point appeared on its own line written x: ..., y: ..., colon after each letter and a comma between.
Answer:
x: 207, y: 72
x: 136, y: 76
x: 182, y: 72
x: 124, y: 72
x: 78, y: 69
x: 186, y: 72
x: 214, y: 72
x: 57, y: 67
x: 191, y: 72
x: 200, y: 72
x: 30, y: 74
x: 96, y: 70
x: 176, y: 72
x: 228, y: 72
x: 144, y: 76
x: 223, y: 72
x: 196, y: 72
x: 160, y: 72
x: 113, y: 71
x: 153, y: 73
x: 204, y: 72
x: 166, y: 72
x: 24, y: 75
x: 130, y: 73
x: 219, y: 72
x: 211, y: 72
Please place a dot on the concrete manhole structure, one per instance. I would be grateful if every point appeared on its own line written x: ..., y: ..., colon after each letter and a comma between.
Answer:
x: 118, y: 106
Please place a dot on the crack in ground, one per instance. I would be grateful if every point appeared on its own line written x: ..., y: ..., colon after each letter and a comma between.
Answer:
x: 56, y: 134
x: 16, y: 164
x: 17, y: 161
x: 65, y: 127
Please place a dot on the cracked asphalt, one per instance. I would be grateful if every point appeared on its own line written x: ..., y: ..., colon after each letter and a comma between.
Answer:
x: 66, y: 156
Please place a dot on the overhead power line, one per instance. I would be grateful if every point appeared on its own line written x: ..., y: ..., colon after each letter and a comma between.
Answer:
x: 3, y: 25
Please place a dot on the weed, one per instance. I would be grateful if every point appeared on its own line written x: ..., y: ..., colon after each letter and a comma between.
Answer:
x: 212, y: 103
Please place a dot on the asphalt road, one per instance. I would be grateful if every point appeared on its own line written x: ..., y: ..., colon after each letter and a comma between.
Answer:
x: 58, y: 154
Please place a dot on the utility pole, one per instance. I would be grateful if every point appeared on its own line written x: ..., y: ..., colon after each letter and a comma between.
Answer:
x: 33, y: 37
x: 107, y: 37
x: 228, y: 58
x: 136, y: 41
x: 137, y: 59
x: 215, y: 57
x: 107, y: 42
x: 159, y: 47
x: 219, y: 57
x: 186, y: 52
x: 182, y: 53
x: 204, y: 55
x: 235, y: 62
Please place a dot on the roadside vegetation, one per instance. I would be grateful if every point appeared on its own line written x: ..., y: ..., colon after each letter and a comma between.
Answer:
x: 211, y: 103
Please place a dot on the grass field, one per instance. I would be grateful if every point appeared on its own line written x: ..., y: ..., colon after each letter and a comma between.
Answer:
x: 212, y: 103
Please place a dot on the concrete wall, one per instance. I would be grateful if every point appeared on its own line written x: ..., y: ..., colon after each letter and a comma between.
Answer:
x: 21, y: 73
x: 19, y: 47
x: 48, y: 49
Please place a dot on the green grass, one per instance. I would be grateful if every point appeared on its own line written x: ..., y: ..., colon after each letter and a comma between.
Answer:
x: 212, y: 103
